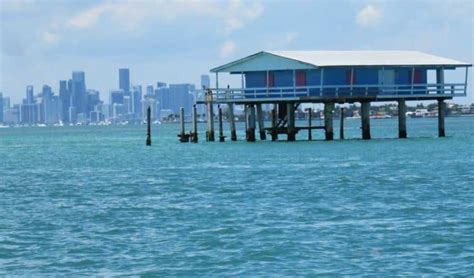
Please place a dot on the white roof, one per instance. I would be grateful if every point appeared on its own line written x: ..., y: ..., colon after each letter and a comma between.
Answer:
x: 367, y: 58
x: 284, y: 60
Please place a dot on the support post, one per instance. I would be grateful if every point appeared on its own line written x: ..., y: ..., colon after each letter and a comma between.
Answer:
x: 440, y: 80
x: 210, y: 117
x: 261, y: 125
x: 341, y: 123
x: 194, y: 132
x: 441, y: 114
x: 251, y: 123
x: 148, y: 128
x: 221, y: 125
x: 310, y: 117
x: 183, y: 138
x: 233, y: 132
x: 365, y: 107
x: 274, y: 123
x: 402, y: 119
x: 328, y: 123
x: 290, y: 110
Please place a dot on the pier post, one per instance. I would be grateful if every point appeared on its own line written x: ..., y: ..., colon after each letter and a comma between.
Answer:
x: 341, y: 123
x: 290, y: 110
x: 210, y: 122
x: 233, y: 132
x: 194, y: 132
x: 251, y: 123
x: 365, y: 111
x: 274, y: 123
x: 148, y: 128
x: 328, y: 122
x: 261, y: 126
x: 221, y: 125
x: 402, y: 119
x: 310, y: 116
x: 183, y: 138
x: 441, y: 114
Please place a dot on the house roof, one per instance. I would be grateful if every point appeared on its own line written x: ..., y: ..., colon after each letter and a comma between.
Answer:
x: 279, y: 60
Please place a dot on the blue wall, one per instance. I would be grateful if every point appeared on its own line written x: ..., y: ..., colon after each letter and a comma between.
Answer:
x: 333, y: 76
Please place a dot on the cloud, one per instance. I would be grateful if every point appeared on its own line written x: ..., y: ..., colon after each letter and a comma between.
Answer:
x: 89, y: 17
x: 130, y: 14
x: 227, y: 49
x: 49, y: 38
x: 368, y: 16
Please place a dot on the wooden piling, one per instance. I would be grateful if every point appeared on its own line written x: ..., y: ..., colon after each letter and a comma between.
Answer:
x: 233, y: 131
x: 221, y: 126
x: 441, y: 115
x: 148, y: 129
x: 210, y: 121
x: 183, y: 138
x: 328, y: 121
x: 402, y: 119
x: 251, y: 118
x: 365, y: 111
x: 261, y: 125
x: 194, y: 132
x: 341, y: 123
x: 310, y: 116
x: 290, y: 109
x: 274, y: 124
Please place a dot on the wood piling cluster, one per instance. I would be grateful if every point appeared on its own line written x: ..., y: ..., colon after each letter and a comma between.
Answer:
x: 283, y: 122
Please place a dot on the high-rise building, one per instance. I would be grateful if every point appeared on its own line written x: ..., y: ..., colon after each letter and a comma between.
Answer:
x: 205, y: 81
x: 6, y: 103
x: 162, y: 97
x: 29, y: 94
x: 149, y: 91
x: 93, y: 98
x: 72, y: 115
x: 78, y: 92
x: 124, y: 80
x: 46, y: 108
x: 64, y: 96
x: 127, y: 105
x: 160, y: 84
x: 136, y: 101
x: 149, y: 103
x: 116, y: 97
x: 181, y: 95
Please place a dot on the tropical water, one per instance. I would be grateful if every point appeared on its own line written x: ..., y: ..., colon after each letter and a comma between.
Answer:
x: 96, y: 201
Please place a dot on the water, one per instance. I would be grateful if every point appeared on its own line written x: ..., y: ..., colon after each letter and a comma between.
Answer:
x: 96, y: 201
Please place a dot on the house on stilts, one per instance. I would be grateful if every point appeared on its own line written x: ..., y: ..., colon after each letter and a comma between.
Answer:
x: 287, y: 79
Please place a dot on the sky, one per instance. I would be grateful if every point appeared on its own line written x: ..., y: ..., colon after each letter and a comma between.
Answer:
x: 176, y: 41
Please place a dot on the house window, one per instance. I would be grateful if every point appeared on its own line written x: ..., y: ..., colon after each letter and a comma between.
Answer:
x: 301, y: 78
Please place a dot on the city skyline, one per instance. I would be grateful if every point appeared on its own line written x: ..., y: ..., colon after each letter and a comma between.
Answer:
x: 177, y: 41
x: 75, y: 102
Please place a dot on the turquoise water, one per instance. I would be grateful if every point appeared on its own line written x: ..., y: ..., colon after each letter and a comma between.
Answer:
x: 96, y: 201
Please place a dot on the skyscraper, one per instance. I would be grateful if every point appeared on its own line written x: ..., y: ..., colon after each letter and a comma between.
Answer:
x: 136, y: 101
x: 124, y: 80
x: 78, y: 92
x: 29, y: 94
x: 64, y: 96
x: 181, y: 95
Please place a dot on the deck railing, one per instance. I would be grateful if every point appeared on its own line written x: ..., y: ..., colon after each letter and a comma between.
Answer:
x: 336, y: 91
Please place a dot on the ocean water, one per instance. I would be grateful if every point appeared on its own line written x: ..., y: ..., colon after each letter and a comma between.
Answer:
x: 97, y: 201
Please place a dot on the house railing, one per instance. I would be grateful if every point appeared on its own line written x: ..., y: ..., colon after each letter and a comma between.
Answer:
x: 335, y: 91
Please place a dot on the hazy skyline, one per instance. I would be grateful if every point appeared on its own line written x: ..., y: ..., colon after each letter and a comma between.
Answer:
x: 177, y: 41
